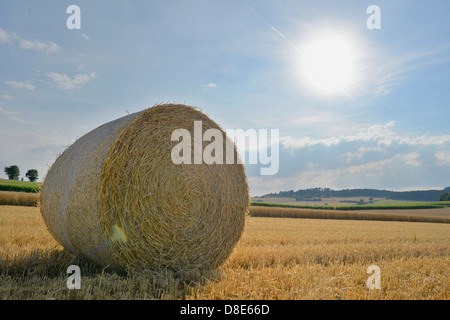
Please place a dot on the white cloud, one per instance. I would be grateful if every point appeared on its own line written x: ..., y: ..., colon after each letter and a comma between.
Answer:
x: 443, y: 158
x: 424, y: 140
x: 366, y: 167
x: 209, y: 85
x: 5, y: 96
x: 4, y: 36
x: 21, y: 85
x: 412, y: 159
x: 312, y: 165
x: 297, y: 143
x: 81, y: 67
x: 361, y: 151
x: 39, y: 46
x: 64, y: 82
x: 384, y: 135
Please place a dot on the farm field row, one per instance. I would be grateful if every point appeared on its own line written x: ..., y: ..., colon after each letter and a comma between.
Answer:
x: 441, y: 215
x: 437, y: 212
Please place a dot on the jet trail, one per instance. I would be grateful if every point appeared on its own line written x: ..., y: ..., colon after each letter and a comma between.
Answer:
x: 271, y: 26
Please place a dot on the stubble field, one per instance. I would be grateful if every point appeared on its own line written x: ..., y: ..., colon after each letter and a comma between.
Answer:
x: 277, y: 258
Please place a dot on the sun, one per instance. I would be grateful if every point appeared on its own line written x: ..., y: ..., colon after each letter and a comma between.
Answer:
x: 327, y: 64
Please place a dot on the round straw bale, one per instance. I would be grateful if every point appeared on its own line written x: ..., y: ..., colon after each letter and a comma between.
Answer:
x: 116, y: 197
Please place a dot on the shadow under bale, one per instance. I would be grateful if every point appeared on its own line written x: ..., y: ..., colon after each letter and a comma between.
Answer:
x: 43, y: 274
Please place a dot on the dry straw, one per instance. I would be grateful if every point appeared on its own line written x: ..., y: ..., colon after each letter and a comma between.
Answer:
x: 116, y: 198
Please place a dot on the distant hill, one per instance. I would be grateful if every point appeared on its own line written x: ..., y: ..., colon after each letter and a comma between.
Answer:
x: 314, y: 193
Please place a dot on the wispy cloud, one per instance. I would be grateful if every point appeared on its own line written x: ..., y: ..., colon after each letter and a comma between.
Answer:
x: 6, y: 112
x: 390, y: 73
x: 65, y: 82
x: 4, y: 37
x: 5, y: 96
x: 412, y: 159
x: 38, y: 46
x: 25, y: 121
x: 443, y: 158
x: 209, y: 85
x: 361, y: 152
x: 12, y: 115
x: 21, y: 85
x: 85, y: 36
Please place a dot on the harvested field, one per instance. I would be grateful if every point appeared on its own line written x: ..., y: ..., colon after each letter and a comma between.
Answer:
x: 275, y: 259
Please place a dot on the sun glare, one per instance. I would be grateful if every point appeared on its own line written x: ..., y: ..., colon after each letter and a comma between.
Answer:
x: 328, y: 65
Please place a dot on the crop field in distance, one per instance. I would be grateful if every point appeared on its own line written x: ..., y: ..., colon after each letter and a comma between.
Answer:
x: 331, y: 201
x: 20, y: 186
x: 438, y: 215
x: 276, y: 258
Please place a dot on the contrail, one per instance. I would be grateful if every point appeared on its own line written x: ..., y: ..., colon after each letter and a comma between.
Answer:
x: 349, y: 95
x: 285, y: 39
x: 270, y: 26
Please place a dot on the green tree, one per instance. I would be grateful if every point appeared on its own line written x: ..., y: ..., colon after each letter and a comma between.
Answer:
x: 32, y: 175
x: 445, y: 197
x: 12, y: 172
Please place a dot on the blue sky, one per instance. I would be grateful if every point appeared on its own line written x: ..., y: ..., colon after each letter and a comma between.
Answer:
x: 239, y: 62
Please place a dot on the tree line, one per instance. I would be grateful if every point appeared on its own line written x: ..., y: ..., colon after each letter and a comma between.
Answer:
x: 13, y: 173
x: 416, y: 195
